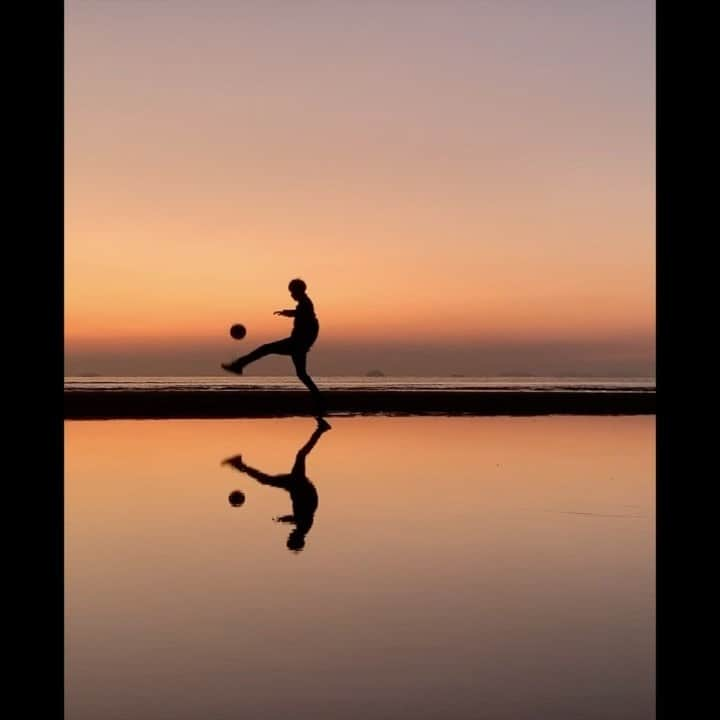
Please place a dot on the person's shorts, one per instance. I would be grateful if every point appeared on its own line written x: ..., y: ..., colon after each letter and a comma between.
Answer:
x: 303, y: 342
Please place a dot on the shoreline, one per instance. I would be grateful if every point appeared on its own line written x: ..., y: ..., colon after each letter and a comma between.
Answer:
x: 244, y: 403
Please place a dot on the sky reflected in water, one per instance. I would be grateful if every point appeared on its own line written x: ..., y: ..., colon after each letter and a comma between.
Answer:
x: 456, y: 568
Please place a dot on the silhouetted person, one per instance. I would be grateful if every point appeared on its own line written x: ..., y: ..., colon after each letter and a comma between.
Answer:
x: 304, y: 334
x: 303, y: 494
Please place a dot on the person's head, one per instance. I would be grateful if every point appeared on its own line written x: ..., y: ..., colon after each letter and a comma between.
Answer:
x: 296, y: 541
x: 297, y: 288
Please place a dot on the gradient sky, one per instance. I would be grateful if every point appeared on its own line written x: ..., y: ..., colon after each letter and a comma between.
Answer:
x: 466, y: 187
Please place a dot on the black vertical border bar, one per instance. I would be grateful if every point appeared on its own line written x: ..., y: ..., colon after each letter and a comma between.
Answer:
x: 33, y: 261
x: 685, y: 403
x: 33, y: 335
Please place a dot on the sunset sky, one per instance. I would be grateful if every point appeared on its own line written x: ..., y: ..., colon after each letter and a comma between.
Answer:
x: 466, y: 186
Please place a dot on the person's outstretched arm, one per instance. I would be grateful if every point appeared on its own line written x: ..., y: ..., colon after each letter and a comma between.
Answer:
x: 285, y: 313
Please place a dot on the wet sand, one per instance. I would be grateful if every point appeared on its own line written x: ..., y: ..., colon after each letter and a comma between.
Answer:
x: 155, y: 404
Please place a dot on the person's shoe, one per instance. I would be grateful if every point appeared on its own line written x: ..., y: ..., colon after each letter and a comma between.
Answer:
x: 323, y: 424
x: 232, y: 367
x: 236, y: 461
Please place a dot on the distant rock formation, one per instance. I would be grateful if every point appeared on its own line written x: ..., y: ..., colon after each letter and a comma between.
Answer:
x: 374, y: 373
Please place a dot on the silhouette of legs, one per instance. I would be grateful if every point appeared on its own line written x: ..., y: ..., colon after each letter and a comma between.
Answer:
x: 298, y: 352
x: 298, y: 469
x: 279, y: 347
x: 300, y: 363
x: 278, y: 481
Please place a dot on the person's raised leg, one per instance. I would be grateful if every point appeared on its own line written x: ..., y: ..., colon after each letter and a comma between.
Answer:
x: 278, y: 481
x: 280, y: 347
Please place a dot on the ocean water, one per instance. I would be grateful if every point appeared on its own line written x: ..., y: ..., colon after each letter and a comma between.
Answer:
x: 460, y: 568
x: 227, y: 382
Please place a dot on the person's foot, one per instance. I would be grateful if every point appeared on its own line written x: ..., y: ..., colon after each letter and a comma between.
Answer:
x: 232, y: 367
x: 236, y: 461
x: 323, y: 424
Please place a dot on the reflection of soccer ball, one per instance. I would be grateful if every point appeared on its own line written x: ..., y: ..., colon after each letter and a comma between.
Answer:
x: 238, y: 332
x: 236, y: 498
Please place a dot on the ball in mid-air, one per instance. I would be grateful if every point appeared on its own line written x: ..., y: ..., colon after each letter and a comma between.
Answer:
x: 236, y: 498
x: 238, y: 331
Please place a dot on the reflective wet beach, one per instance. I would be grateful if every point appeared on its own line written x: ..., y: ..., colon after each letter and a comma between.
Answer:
x: 449, y: 568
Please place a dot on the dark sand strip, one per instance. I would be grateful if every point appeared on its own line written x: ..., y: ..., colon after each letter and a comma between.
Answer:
x: 146, y: 404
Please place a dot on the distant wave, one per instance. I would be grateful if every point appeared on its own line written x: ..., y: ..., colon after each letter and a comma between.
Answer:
x: 363, y: 383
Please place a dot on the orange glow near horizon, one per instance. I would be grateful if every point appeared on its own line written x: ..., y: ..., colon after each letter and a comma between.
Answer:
x: 483, y: 289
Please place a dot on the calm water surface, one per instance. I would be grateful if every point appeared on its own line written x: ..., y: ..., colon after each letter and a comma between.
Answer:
x: 455, y: 568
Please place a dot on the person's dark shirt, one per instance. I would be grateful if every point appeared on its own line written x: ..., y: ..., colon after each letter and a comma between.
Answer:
x: 305, y: 322
x: 304, y: 499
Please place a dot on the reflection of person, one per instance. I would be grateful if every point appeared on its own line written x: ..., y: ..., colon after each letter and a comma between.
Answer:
x: 303, y: 494
x: 304, y: 334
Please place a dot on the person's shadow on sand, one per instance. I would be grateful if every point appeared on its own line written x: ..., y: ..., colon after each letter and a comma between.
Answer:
x: 303, y: 495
